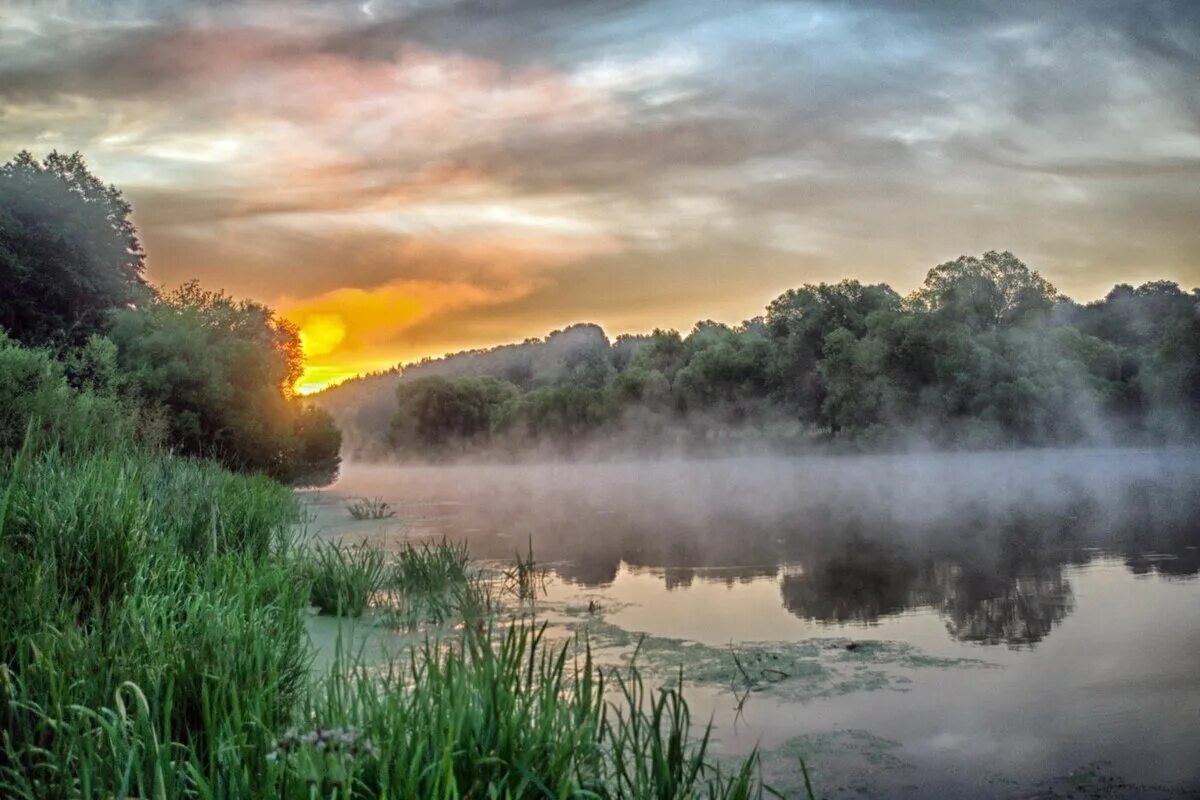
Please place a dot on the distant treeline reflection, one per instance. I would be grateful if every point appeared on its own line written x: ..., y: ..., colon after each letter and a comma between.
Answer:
x: 985, y: 540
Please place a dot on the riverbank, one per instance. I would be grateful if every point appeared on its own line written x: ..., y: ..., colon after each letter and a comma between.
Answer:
x: 153, y: 643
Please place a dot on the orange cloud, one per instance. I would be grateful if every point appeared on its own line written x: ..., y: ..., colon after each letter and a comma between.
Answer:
x: 350, y: 331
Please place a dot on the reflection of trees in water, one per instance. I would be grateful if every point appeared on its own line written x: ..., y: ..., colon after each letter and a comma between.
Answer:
x: 987, y: 549
x: 993, y: 584
x: 861, y: 581
x: 678, y: 577
x: 991, y: 609
x: 1164, y: 537
x: 1008, y: 587
x: 1181, y: 565
x: 989, y: 603
x: 599, y: 570
x: 996, y: 575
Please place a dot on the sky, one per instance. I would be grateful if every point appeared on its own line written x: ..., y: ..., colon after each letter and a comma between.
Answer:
x: 405, y: 178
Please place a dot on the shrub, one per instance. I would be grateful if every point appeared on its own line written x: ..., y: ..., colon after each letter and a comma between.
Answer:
x: 36, y: 398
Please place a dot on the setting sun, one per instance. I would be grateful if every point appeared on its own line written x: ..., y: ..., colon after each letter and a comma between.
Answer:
x: 321, y: 333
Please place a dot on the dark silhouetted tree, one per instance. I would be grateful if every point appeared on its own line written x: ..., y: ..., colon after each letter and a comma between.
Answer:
x: 69, y: 252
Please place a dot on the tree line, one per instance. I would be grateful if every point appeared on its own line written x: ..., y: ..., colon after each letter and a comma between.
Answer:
x: 88, y: 348
x: 986, y: 353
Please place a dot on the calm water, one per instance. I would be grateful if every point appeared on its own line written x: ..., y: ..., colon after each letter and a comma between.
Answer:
x: 1019, y: 625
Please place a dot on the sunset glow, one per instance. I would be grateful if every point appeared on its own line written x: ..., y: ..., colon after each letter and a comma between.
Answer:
x: 404, y: 180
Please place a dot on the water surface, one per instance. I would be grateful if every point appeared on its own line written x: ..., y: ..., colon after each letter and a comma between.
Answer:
x: 989, y: 625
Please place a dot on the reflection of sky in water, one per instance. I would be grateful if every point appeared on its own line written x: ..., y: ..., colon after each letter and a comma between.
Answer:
x: 1076, y: 574
x: 717, y: 613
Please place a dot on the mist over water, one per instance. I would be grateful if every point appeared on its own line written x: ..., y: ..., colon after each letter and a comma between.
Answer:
x: 758, y: 513
x: 1074, y: 572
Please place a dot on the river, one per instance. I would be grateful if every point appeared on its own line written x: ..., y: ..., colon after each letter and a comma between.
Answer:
x: 999, y: 625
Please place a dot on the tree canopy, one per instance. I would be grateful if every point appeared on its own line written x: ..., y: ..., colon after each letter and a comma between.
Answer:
x: 213, y: 376
x: 68, y: 251
x: 226, y: 372
x: 986, y: 353
x: 994, y: 290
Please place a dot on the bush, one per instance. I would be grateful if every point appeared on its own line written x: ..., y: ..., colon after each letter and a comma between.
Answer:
x: 224, y: 372
x: 36, y: 398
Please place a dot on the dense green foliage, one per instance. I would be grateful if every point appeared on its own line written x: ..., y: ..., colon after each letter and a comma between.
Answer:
x: 442, y: 410
x: 200, y: 372
x: 37, y: 397
x: 68, y: 251
x: 225, y: 373
x: 986, y: 353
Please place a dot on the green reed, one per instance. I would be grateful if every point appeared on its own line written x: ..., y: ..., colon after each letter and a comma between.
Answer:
x: 525, y: 580
x: 371, y: 508
x: 431, y: 567
x: 345, y: 579
x: 435, y: 583
x: 152, y: 644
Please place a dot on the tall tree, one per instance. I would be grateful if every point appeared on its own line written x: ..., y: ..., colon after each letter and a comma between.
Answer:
x: 69, y: 252
x: 994, y: 290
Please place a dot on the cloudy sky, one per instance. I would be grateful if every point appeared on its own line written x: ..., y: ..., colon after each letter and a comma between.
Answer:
x: 409, y: 177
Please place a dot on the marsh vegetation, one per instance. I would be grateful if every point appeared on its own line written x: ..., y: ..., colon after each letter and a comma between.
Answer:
x: 370, y: 508
x: 154, y: 645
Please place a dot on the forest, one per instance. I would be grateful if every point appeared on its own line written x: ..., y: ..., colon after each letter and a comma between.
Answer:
x: 986, y: 353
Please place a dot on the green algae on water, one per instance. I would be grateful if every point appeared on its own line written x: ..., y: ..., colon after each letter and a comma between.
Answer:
x: 796, y: 671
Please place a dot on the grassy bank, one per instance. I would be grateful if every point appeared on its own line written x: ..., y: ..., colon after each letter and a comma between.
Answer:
x: 152, y: 644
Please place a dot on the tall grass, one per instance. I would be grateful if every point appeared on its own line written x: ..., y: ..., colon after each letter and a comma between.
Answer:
x: 152, y: 644
x: 498, y: 714
x: 430, y: 567
x: 504, y: 714
x: 435, y: 583
x: 106, y: 582
x: 208, y: 511
x: 345, y: 579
